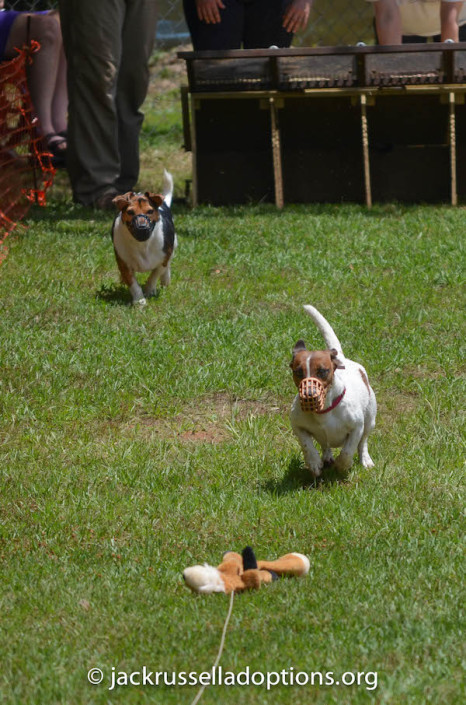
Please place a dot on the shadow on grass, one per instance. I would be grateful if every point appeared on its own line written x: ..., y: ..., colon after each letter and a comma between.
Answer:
x: 65, y: 209
x: 118, y: 295
x: 262, y: 208
x: 298, y: 477
x: 114, y: 295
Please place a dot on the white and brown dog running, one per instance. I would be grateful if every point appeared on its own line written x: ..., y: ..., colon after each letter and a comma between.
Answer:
x: 335, y: 404
x: 144, y: 238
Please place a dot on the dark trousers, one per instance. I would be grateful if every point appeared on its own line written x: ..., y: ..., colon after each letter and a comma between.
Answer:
x: 108, y: 44
x: 247, y: 24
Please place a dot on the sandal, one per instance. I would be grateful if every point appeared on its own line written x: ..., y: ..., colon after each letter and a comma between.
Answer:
x: 56, y: 145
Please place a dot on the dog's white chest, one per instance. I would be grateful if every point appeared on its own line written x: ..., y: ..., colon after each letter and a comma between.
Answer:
x: 329, y: 430
x: 139, y: 256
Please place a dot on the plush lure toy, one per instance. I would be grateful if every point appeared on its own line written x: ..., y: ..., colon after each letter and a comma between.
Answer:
x: 243, y: 572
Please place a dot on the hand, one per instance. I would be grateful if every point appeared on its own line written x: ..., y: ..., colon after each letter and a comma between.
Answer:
x: 209, y: 10
x: 297, y: 15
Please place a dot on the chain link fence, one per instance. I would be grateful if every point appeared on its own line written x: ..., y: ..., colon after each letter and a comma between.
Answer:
x: 332, y: 22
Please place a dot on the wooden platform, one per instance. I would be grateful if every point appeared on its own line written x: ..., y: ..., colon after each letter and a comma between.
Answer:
x: 333, y: 124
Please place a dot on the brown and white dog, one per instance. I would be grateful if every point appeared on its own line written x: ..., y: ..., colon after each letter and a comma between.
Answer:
x: 335, y: 404
x: 144, y: 238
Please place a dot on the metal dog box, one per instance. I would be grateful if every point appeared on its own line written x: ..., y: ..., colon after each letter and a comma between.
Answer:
x: 329, y: 124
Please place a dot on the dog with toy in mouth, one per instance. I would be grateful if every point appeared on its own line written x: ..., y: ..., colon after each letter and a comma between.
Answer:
x: 144, y: 238
x: 335, y: 404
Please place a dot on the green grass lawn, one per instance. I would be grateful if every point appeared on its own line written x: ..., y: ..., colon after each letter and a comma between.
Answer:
x: 138, y: 442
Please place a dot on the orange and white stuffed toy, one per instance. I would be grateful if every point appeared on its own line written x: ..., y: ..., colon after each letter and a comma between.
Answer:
x: 243, y: 572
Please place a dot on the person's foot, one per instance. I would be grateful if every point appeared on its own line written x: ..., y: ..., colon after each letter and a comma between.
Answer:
x: 105, y: 201
x: 56, y: 145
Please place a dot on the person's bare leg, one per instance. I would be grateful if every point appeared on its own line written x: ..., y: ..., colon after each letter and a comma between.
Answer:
x: 60, y: 97
x: 449, y: 14
x: 44, y: 69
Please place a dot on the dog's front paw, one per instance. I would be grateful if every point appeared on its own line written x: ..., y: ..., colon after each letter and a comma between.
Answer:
x: 315, y: 468
x: 343, y: 462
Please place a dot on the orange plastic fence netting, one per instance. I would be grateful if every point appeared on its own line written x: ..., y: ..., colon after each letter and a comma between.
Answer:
x: 26, y: 170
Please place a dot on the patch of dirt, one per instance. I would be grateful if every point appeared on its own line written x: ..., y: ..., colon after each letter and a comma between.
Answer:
x: 423, y: 372
x: 204, y: 422
x: 213, y: 435
x: 395, y: 406
x: 224, y: 405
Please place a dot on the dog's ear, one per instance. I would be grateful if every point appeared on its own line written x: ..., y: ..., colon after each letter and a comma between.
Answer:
x: 122, y: 200
x: 155, y: 198
x: 338, y: 363
x: 300, y: 345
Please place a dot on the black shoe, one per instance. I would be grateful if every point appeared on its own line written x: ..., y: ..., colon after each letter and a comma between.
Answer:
x: 105, y: 201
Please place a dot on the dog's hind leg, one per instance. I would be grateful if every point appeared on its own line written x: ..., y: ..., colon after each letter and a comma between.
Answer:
x: 150, y: 286
x: 162, y: 273
x: 327, y: 457
x: 165, y: 277
x: 363, y: 453
x: 351, y: 444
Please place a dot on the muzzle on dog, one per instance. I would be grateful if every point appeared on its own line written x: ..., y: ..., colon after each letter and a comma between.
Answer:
x: 141, y: 227
x: 312, y: 394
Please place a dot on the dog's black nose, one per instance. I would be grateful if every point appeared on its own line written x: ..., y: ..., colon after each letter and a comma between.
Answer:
x: 141, y: 221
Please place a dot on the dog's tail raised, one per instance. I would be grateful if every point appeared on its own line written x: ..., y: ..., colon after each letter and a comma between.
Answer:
x: 325, y: 328
x: 167, y: 187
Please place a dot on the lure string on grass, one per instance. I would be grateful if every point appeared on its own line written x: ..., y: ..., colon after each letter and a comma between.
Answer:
x: 220, y: 651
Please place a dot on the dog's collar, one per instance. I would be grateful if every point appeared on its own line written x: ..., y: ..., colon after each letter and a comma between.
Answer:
x: 334, y: 403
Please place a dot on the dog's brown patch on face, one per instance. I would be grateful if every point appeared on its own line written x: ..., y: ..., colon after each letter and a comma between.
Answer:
x: 135, y: 204
x: 365, y: 380
x: 123, y: 200
x: 155, y: 198
x: 318, y: 363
